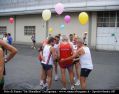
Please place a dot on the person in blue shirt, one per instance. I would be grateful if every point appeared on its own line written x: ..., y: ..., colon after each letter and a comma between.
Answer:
x: 9, y: 38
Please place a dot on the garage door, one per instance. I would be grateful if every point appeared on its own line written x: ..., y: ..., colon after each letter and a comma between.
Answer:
x: 108, y: 31
x: 107, y: 38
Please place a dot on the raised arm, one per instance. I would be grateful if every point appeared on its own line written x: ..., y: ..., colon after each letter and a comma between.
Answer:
x: 10, y: 48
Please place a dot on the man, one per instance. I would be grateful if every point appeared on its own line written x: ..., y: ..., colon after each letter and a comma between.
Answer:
x: 47, y: 63
x: 9, y: 38
x: 33, y: 40
x: 85, y: 61
x: 3, y: 60
x: 71, y: 37
x: 85, y: 38
x: 66, y: 50
x: 57, y: 39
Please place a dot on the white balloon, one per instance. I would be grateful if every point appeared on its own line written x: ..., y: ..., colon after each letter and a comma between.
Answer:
x: 46, y: 14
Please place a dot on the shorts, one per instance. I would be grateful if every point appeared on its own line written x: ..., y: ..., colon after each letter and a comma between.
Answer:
x: 77, y: 61
x: 85, y: 72
x: 1, y: 84
x: 67, y: 66
x: 46, y: 67
x: 56, y: 61
x: 34, y: 41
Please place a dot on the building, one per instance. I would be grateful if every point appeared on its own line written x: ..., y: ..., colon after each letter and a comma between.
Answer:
x: 102, y: 28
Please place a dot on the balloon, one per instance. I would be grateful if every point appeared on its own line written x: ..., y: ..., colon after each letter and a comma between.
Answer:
x: 67, y: 19
x: 46, y: 14
x: 59, y: 8
x: 62, y: 26
x: 11, y: 20
x: 83, y: 18
x: 50, y: 29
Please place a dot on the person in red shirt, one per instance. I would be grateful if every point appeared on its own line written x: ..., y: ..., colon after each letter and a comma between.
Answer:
x: 66, y: 50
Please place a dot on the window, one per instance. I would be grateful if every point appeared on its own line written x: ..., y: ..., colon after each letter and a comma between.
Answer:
x: 28, y: 30
x: 106, y: 19
x: 118, y: 19
x: 3, y: 29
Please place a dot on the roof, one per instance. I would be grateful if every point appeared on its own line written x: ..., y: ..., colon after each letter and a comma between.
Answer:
x: 19, y: 7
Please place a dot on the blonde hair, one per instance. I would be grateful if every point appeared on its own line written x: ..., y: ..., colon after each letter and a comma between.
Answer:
x: 64, y: 38
x: 80, y: 40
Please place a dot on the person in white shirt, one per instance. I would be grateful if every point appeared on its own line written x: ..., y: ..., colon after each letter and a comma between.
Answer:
x: 47, y: 62
x: 6, y: 41
x: 85, y: 61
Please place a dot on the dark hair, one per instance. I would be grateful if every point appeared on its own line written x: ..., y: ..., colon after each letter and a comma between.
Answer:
x: 71, y: 35
x: 50, y: 39
x: 9, y: 34
x: 57, y: 37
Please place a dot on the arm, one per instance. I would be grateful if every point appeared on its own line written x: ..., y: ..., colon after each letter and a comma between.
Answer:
x: 80, y: 51
x: 58, y: 53
x: 1, y: 63
x: 53, y: 53
x: 71, y: 57
x: 10, y: 48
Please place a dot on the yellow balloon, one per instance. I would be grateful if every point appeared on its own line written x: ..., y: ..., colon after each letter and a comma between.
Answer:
x: 83, y: 18
x: 46, y: 14
x: 50, y: 29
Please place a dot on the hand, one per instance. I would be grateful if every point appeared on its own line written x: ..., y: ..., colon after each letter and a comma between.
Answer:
x: 5, y: 60
x: 62, y: 60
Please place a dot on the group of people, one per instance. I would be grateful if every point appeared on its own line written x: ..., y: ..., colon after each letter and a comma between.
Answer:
x: 67, y: 53
x: 7, y: 38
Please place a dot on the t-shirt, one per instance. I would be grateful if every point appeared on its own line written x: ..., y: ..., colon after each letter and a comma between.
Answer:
x: 65, y: 52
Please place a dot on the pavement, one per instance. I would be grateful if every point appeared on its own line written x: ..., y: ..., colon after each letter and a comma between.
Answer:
x: 23, y: 71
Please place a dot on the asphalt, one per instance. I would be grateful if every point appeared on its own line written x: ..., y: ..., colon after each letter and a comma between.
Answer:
x: 23, y: 71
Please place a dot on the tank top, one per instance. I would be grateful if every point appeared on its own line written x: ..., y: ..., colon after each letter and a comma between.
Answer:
x: 86, y: 60
x: 65, y: 52
x: 46, y: 52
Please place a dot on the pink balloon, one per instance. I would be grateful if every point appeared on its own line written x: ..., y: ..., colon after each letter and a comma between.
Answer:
x: 59, y: 8
x: 67, y: 19
x: 11, y: 20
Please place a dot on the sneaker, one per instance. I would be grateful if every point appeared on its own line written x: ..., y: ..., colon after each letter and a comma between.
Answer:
x: 77, y: 83
x: 41, y: 83
x: 74, y: 78
x: 72, y: 87
x: 63, y: 89
x: 56, y: 77
x: 34, y: 47
x: 45, y: 87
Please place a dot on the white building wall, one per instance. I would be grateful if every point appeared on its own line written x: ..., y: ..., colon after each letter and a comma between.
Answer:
x: 30, y: 20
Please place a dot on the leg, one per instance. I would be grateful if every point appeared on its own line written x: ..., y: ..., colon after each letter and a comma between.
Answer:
x: 71, y: 75
x: 49, y: 75
x: 42, y: 76
x: 83, y: 82
x: 56, y: 74
x: 84, y: 74
x: 77, y: 70
x: 63, y: 72
x: 55, y: 64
